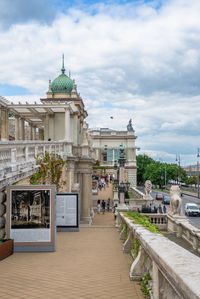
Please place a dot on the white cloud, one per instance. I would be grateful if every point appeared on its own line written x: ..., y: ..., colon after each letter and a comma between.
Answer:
x: 131, y: 61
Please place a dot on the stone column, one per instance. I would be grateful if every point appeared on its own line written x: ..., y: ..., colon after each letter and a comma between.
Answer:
x: 4, y: 124
x: 21, y: 129
x: 86, y: 198
x: 70, y: 175
x: 34, y: 133
x: 75, y: 129
x: 67, y: 125
x: 17, y: 127
x: 41, y: 134
x: 84, y: 170
x: 46, y: 127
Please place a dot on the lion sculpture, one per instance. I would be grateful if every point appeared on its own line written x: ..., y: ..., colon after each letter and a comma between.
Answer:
x: 176, y: 201
x: 148, y: 188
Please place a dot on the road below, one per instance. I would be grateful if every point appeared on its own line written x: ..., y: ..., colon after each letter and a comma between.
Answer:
x: 185, y: 199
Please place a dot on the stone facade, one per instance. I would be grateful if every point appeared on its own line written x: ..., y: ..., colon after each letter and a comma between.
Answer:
x: 106, y: 142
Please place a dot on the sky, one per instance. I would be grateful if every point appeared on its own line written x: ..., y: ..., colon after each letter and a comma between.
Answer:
x: 136, y: 60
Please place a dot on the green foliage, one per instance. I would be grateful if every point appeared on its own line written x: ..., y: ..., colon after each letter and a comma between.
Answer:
x: 97, y: 163
x: 126, y: 230
x: 142, y: 162
x: 50, y: 170
x: 135, y: 248
x: 145, y: 285
x: 157, y: 172
x: 142, y: 220
x: 127, y: 196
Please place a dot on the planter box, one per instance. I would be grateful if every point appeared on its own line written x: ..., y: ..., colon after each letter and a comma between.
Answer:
x: 6, y: 249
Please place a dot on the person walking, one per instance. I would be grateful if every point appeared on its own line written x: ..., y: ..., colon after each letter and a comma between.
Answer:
x: 160, y: 209
x: 103, y: 206
x: 164, y: 209
x: 108, y: 204
x: 98, y: 206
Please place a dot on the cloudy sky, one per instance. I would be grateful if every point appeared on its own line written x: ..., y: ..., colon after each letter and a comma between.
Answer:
x: 130, y: 59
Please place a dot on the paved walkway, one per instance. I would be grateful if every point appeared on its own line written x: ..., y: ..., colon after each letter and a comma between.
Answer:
x: 88, y: 264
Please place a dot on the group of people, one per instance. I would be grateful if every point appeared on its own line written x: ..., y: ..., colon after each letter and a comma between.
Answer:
x: 102, y: 206
x: 154, y: 209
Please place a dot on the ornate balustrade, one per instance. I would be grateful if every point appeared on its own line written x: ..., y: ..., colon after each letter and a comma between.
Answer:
x: 17, y: 158
x: 184, y: 229
x: 173, y: 272
x: 158, y: 219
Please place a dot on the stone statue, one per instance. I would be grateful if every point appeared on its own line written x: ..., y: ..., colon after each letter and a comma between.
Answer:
x: 148, y: 188
x: 176, y: 201
x: 130, y: 126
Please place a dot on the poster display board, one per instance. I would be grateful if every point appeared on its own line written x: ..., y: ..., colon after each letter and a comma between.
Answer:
x: 67, y: 211
x: 30, y: 217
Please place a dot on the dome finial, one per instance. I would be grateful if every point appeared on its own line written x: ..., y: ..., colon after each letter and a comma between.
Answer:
x: 63, y: 66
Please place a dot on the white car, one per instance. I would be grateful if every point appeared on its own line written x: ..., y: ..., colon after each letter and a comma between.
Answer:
x: 191, y: 209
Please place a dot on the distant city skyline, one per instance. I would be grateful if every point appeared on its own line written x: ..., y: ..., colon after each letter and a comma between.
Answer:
x: 130, y: 59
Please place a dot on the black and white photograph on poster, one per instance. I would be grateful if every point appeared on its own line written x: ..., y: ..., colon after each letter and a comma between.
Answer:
x: 30, y: 209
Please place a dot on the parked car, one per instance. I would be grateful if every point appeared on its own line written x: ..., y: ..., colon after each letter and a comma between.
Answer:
x: 191, y: 209
x: 166, y: 200
x: 159, y: 196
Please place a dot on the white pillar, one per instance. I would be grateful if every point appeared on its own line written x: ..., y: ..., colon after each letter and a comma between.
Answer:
x: 4, y: 124
x: 41, y: 134
x: 46, y: 128
x: 67, y: 125
x: 17, y: 127
x: 21, y: 129
x: 75, y: 129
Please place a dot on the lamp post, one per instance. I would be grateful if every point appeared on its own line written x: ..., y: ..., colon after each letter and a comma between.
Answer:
x: 119, y: 183
x: 198, y: 155
x: 178, y: 160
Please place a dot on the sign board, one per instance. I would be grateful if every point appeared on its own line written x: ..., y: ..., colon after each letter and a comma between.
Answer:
x: 30, y: 217
x: 67, y: 211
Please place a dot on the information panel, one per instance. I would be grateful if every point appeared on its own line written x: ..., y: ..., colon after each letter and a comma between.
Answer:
x: 30, y: 217
x: 67, y: 210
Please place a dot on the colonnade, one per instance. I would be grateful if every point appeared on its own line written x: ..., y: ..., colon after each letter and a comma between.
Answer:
x: 20, y: 129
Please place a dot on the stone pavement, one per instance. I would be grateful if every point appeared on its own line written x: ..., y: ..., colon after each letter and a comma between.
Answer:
x: 87, y: 264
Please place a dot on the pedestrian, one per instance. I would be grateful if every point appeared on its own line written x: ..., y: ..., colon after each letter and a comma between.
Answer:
x: 115, y: 211
x: 164, y: 209
x: 160, y: 209
x: 98, y: 206
x: 155, y: 209
x: 108, y: 204
x: 103, y: 206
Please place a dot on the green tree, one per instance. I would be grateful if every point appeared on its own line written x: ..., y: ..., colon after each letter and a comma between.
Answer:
x: 50, y: 170
x: 158, y: 173
x: 142, y: 162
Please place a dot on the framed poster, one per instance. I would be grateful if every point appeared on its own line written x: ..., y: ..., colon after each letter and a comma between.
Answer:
x: 67, y: 211
x: 30, y: 217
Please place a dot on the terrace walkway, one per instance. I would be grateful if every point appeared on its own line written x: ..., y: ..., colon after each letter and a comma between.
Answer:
x: 87, y: 264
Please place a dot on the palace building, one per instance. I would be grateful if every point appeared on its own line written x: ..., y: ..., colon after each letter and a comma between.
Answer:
x: 57, y: 125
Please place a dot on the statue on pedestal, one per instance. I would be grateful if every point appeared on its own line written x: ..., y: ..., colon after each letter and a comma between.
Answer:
x: 130, y: 126
x: 148, y: 189
x: 176, y: 201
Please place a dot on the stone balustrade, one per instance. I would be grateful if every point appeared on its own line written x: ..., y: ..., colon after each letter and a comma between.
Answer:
x: 173, y: 271
x: 184, y: 229
x: 158, y: 219
x: 17, y: 158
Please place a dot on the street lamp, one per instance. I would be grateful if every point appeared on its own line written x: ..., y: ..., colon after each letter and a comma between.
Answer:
x: 119, y: 165
x: 198, y: 155
x: 178, y: 160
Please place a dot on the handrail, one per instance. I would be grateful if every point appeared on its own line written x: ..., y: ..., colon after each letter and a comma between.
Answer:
x: 175, y: 272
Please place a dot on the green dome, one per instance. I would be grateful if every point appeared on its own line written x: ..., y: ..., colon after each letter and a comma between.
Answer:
x: 62, y: 84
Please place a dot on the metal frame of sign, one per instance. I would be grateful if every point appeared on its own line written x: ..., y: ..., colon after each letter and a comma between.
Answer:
x: 70, y: 227
x: 30, y: 217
